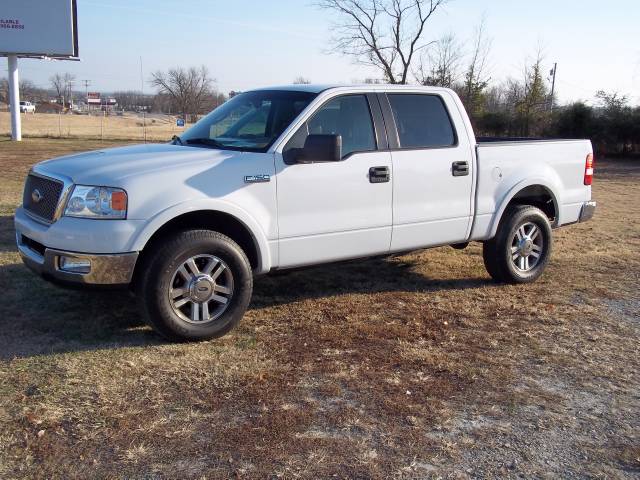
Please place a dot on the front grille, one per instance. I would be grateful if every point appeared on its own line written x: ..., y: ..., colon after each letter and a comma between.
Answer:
x: 47, y: 190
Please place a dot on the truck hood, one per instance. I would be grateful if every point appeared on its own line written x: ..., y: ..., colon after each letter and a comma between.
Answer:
x: 113, y: 166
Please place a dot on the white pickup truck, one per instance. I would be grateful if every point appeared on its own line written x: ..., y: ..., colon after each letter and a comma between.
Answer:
x: 299, y: 175
x: 27, y: 107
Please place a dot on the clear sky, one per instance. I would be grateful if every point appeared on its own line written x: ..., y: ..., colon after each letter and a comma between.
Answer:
x: 252, y: 43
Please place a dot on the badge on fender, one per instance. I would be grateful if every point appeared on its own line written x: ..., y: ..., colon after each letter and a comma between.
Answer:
x: 257, y: 178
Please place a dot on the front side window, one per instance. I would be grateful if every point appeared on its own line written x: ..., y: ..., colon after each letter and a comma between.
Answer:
x: 422, y: 121
x: 347, y: 116
x: 250, y: 121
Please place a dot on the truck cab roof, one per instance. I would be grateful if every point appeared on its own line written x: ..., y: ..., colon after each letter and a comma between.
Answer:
x: 366, y: 87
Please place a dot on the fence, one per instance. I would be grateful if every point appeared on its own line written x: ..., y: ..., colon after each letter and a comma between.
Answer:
x: 127, y: 126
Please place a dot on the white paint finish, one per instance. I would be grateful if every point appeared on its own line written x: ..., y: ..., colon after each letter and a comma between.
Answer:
x: 556, y: 165
x: 164, y: 181
x: 430, y: 205
x: 80, y: 234
x: 331, y: 247
x: 334, y: 197
x: 14, y: 98
x: 481, y: 227
x: 315, y: 213
x: 429, y: 234
x: 570, y: 213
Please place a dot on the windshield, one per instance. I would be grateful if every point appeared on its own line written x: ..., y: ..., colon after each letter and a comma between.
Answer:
x: 249, y: 121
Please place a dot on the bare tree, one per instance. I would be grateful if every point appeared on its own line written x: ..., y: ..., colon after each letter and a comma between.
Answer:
x: 528, y: 99
x: 190, y: 89
x: 386, y: 34
x: 62, y: 83
x: 301, y: 81
x: 476, y: 78
x: 28, y: 91
x: 59, y: 85
x: 442, y: 60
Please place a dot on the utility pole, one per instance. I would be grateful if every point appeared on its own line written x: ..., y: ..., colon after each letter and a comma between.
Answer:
x: 553, y: 83
x: 144, y: 108
x: 86, y: 91
x: 70, y: 84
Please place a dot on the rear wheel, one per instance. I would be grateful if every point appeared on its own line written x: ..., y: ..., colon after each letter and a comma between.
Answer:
x: 521, y: 249
x: 197, y: 286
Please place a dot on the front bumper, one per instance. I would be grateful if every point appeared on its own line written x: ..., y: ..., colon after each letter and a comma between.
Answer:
x: 104, y: 269
x: 587, y: 211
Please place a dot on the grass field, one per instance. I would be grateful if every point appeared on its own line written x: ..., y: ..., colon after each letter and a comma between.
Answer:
x: 411, y: 367
x: 127, y: 127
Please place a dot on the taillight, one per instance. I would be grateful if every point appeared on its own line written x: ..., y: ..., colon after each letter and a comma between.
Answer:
x: 588, y: 170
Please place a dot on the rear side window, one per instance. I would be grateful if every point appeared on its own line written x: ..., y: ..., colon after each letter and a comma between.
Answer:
x: 422, y: 121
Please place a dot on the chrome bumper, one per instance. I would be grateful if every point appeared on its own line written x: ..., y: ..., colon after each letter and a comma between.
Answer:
x: 105, y: 269
x: 587, y: 211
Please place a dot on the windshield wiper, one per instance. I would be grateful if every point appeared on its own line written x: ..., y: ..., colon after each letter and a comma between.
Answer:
x: 204, y: 141
x: 176, y: 138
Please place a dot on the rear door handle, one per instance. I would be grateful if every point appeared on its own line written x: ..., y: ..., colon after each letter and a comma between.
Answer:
x: 379, y: 174
x: 460, y: 169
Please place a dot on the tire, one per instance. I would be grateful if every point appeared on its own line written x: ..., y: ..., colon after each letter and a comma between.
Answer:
x: 195, y: 267
x: 521, y: 249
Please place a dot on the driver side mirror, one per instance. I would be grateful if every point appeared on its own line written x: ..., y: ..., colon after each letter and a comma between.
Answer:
x: 317, y: 148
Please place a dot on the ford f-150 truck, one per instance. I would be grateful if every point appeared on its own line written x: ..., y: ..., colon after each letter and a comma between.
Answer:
x: 286, y: 177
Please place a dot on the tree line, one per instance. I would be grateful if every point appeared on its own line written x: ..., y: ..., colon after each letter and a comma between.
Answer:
x: 392, y: 37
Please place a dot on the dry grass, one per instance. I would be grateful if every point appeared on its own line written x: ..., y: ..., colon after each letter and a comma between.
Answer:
x: 127, y: 127
x: 412, y: 367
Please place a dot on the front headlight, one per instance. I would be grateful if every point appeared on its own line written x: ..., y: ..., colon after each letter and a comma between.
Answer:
x: 97, y: 202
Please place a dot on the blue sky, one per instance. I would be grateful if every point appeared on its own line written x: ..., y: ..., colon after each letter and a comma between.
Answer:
x: 252, y: 43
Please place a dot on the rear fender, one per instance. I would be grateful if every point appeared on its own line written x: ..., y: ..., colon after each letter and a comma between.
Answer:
x: 548, y: 185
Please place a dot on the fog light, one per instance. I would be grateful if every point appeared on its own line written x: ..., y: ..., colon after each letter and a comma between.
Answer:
x: 74, y: 265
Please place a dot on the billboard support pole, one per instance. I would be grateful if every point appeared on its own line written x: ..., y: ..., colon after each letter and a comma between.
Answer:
x: 14, y: 98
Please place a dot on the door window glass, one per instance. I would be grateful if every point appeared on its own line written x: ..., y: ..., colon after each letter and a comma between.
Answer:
x: 348, y: 116
x: 422, y: 121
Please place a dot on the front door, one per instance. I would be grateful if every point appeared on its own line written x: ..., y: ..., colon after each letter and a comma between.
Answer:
x: 336, y: 210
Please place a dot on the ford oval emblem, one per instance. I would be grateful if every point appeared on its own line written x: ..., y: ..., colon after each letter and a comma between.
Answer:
x: 36, y: 196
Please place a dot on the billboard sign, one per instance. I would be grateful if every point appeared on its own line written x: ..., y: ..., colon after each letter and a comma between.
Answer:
x: 36, y: 28
x: 93, y: 98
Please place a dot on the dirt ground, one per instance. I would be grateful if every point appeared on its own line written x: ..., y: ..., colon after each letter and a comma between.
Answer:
x: 415, y: 366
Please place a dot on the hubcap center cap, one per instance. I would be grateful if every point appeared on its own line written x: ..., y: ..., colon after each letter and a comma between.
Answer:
x: 201, y: 288
x: 526, y: 247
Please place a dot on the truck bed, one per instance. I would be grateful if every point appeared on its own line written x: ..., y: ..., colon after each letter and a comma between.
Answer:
x: 508, y: 165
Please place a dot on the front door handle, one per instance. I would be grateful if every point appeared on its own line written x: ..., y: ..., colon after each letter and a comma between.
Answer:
x: 460, y: 169
x: 379, y: 174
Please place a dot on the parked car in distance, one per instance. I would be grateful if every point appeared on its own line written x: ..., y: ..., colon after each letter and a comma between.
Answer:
x: 27, y: 107
x: 285, y: 177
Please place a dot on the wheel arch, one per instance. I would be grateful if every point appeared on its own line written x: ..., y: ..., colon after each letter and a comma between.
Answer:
x: 226, y: 219
x: 536, y: 192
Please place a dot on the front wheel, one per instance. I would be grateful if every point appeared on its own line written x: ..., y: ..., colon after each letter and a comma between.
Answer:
x: 521, y: 249
x: 197, y: 286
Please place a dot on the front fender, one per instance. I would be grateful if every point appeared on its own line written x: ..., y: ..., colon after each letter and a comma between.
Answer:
x: 162, y: 218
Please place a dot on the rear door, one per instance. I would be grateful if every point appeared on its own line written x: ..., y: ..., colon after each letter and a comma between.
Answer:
x: 432, y: 170
x: 337, y: 210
